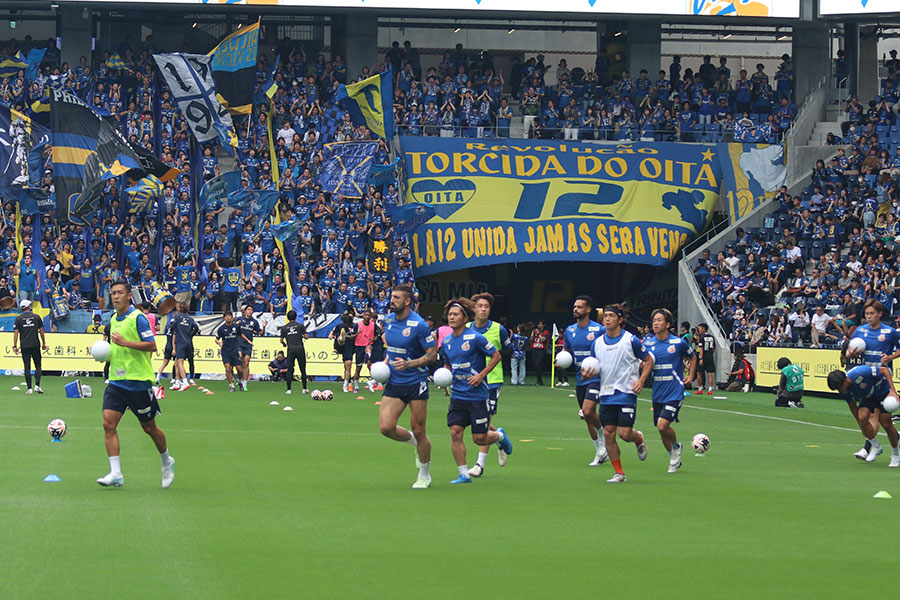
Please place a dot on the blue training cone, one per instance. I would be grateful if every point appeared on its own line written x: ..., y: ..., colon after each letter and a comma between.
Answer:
x: 56, y: 440
x: 52, y: 477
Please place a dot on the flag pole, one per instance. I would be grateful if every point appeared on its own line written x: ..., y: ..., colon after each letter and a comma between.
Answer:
x: 553, y: 357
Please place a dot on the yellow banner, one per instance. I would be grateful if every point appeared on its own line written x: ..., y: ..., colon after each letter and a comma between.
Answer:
x: 72, y: 352
x: 816, y: 365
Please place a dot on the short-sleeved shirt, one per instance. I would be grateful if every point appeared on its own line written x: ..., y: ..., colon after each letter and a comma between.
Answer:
x: 184, y: 328
x: 229, y: 335
x: 28, y: 325
x: 408, y: 339
x: 668, y: 367
x: 580, y: 342
x: 247, y: 327
x: 866, y: 382
x: 879, y: 341
x: 466, y: 355
x: 708, y: 344
x: 293, y: 334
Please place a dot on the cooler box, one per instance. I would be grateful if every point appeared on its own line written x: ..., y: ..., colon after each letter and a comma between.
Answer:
x: 74, y: 390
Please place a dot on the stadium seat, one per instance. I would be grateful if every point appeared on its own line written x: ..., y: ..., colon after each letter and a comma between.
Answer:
x: 816, y: 249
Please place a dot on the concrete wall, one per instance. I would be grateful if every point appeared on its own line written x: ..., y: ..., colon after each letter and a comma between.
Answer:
x: 77, y: 33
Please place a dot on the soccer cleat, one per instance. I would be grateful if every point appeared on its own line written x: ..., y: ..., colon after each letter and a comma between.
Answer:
x: 231, y: 388
x: 110, y: 480
x: 476, y: 471
x: 599, y: 459
x: 502, y: 457
x: 288, y: 392
x: 168, y: 473
x: 174, y: 385
x: 675, y: 460
x: 873, y: 453
x: 862, y: 454
x: 505, y: 443
x: 895, y: 461
x: 423, y: 483
x: 38, y: 389
x: 642, y: 447
x: 462, y: 479
x: 184, y: 387
x: 106, y: 381
x: 305, y: 390
x: 709, y: 393
x: 192, y: 382
x: 699, y: 392
x: 356, y: 387
x: 29, y: 391
x: 617, y: 478
x: 345, y: 387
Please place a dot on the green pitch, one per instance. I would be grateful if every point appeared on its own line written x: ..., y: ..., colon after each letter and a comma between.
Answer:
x: 315, y: 503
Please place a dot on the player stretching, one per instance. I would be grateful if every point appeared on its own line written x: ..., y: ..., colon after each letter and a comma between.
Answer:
x: 184, y: 328
x: 410, y: 349
x: 227, y: 338
x: 130, y: 381
x: 292, y: 335
x: 669, y: 353
x: 624, y: 367
x: 868, y: 385
x: 882, y: 347
x: 497, y: 335
x: 248, y: 327
x: 464, y: 354
x: 579, y: 339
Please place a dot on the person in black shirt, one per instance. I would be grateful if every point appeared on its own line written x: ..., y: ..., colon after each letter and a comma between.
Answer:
x: 344, y: 344
x: 227, y: 339
x: 30, y: 327
x: 184, y: 328
x: 292, y: 336
x: 707, y: 351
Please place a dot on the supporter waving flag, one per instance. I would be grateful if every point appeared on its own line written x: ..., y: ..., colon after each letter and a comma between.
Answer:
x: 369, y: 103
x: 234, y: 69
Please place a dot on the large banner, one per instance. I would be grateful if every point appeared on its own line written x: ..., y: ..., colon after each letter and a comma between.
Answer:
x: 532, y: 200
x: 858, y: 7
x: 72, y: 352
x: 816, y: 364
x: 234, y: 69
x: 751, y: 175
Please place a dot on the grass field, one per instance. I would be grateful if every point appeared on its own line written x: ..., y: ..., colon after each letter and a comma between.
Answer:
x: 316, y: 503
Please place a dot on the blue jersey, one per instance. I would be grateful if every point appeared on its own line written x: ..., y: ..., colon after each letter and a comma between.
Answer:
x: 883, y: 340
x: 866, y: 382
x: 465, y: 354
x: 668, y: 367
x: 519, y: 344
x: 580, y: 342
x: 184, y: 328
x: 247, y: 328
x: 407, y: 339
x: 229, y: 335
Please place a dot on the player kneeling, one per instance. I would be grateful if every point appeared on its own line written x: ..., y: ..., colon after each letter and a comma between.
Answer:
x: 465, y: 351
x: 868, y: 386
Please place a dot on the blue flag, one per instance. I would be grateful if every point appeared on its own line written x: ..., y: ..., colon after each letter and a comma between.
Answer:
x: 33, y: 59
x: 409, y: 216
x: 284, y: 231
x: 370, y: 103
x: 259, y: 203
x: 28, y: 201
x: 218, y: 188
x: 346, y: 168
x: 380, y: 175
x: 143, y: 193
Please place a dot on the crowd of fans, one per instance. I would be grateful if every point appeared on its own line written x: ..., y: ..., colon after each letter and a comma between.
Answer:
x: 805, y: 276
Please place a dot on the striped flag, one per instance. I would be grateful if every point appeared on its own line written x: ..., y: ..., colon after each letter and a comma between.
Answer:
x: 10, y: 66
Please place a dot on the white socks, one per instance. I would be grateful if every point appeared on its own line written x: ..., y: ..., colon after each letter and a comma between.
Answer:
x: 412, y: 441
x: 463, y: 470
x: 164, y: 457
x: 114, y: 466
x: 424, y: 470
x: 482, y: 459
x: 599, y: 443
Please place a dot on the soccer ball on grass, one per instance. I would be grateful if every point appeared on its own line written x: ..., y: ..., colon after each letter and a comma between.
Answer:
x: 56, y: 428
x: 700, y: 443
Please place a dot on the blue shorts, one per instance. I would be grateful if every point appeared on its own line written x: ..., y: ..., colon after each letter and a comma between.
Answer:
x: 244, y: 350
x: 871, y: 404
x: 666, y: 410
x: 167, y: 352
x: 184, y: 351
x: 492, y: 400
x: 466, y: 414
x: 142, y: 403
x: 616, y: 414
x: 347, y: 352
x: 230, y: 357
x: 407, y: 393
x: 360, y: 353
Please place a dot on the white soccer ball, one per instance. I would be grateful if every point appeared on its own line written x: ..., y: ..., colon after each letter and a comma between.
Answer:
x: 100, y: 351
x: 857, y: 346
x: 590, y: 363
x: 381, y: 372
x: 890, y: 404
x: 56, y: 428
x: 327, y: 395
x: 700, y: 443
x: 316, y: 395
x: 564, y: 359
x: 443, y: 377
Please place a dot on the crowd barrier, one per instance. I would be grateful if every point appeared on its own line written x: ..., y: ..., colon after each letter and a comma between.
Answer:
x: 71, y: 352
x: 816, y: 364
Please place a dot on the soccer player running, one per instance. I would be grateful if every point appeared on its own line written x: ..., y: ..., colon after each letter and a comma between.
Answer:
x: 410, y: 349
x: 707, y: 348
x: 227, y: 336
x: 579, y: 339
x: 184, y: 328
x: 362, y: 345
x: 130, y: 384
x: 624, y: 367
x: 248, y: 327
x: 465, y: 352
x: 867, y: 386
x: 292, y: 335
x: 882, y: 347
x: 30, y: 327
x: 669, y: 355
x: 497, y: 335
